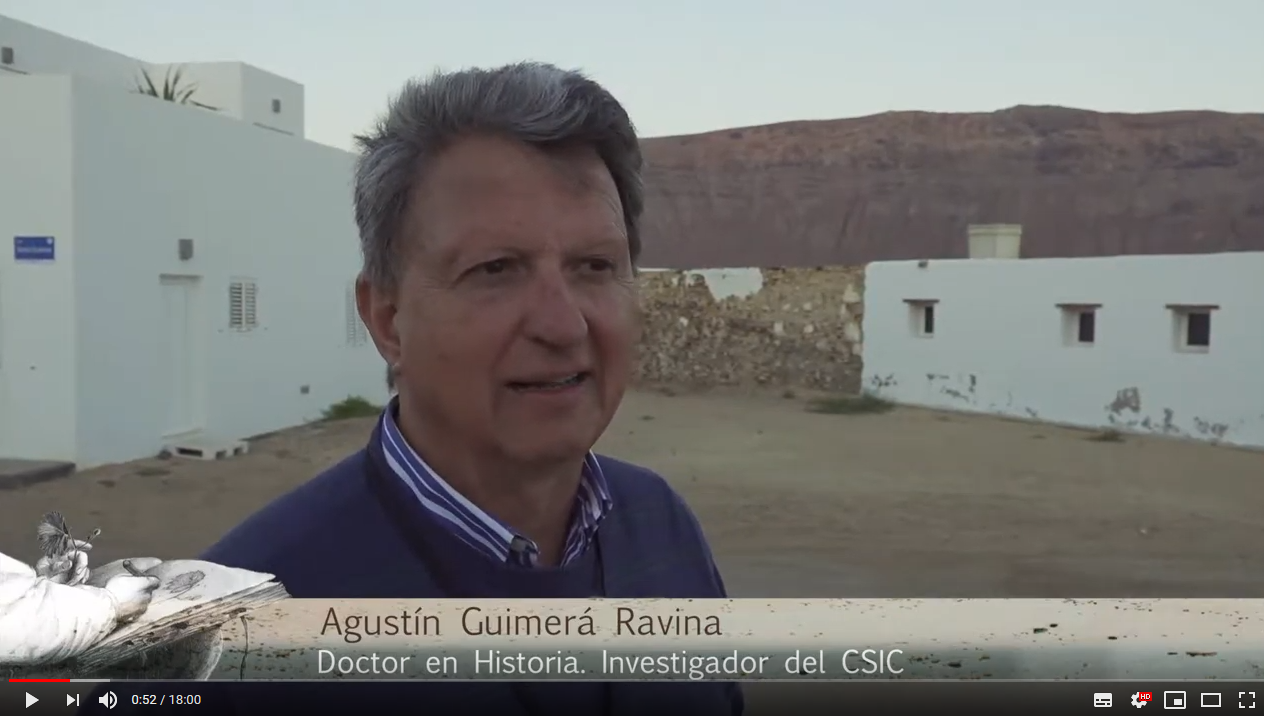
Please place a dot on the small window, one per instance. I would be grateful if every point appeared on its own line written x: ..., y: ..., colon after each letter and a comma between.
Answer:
x: 242, y: 305
x: 1198, y: 329
x: 6, y: 55
x: 357, y: 333
x: 922, y: 316
x: 1087, y: 323
x: 1079, y: 323
x: 276, y: 106
x: 1191, y: 327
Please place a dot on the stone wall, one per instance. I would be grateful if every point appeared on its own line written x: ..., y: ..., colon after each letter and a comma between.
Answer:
x: 753, y: 327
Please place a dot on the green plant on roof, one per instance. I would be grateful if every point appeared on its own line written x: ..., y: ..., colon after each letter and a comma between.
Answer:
x: 173, y: 88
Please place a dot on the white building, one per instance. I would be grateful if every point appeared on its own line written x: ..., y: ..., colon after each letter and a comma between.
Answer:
x: 234, y: 89
x: 1168, y: 345
x: 170, y: 275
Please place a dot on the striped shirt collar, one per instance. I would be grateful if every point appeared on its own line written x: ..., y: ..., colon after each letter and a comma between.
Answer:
x: 474, y: 526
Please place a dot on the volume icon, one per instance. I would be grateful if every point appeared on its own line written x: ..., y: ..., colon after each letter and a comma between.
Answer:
x: 108, y: 700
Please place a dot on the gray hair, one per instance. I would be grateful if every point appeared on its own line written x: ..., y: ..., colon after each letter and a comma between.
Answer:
x: 535, y: 103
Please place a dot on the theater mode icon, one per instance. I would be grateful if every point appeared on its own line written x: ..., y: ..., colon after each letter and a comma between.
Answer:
x: 1102, y: 701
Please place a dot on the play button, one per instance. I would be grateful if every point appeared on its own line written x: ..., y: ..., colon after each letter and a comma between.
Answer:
x: 30, y: 699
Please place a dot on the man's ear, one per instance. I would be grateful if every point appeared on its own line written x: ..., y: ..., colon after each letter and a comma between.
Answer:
x: 377, y: 310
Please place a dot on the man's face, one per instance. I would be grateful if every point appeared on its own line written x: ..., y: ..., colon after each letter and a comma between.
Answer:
x: 516, y: 311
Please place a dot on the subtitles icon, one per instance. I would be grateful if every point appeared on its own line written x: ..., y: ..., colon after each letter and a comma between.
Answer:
x: 1102, y: 701
x: 1174, y: 700
x: 1141, y: 698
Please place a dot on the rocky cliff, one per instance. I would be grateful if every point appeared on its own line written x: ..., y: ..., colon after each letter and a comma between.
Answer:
x: 905, y: 185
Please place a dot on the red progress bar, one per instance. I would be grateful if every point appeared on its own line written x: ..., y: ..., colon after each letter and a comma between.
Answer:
x: 39, y: 681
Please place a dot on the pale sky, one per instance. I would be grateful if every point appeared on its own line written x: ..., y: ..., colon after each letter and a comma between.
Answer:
x: 683, y: 66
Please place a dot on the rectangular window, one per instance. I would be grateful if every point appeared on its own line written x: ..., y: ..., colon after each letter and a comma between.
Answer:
x: 922, y: 316
x: 1198, y: 329
x: 1079, y: 323
x: 1086, y: 325
x: 1191, y: 327
x: 243, y: 304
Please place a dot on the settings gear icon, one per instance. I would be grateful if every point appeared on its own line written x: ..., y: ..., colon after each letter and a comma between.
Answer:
x: 1137, y: 700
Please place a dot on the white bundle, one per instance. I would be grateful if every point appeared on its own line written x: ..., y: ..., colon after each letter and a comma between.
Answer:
x: 49, y: 613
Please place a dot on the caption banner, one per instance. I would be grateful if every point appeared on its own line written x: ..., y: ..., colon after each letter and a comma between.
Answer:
x: 748, y: 640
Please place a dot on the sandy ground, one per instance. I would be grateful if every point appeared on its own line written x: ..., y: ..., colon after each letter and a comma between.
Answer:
x: 906, y: 503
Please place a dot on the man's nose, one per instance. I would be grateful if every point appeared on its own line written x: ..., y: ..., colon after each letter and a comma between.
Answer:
x: 554, y: 315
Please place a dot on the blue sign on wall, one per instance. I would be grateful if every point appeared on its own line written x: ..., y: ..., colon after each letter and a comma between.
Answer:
x: 34, y: 248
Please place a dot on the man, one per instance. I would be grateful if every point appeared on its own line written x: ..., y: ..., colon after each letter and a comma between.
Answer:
x: 499, y: 215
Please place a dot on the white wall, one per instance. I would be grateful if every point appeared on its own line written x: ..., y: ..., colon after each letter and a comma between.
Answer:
x: 37, y: 300
x: 999, y: 348
x: 259, y: 88
x: 235, y: 89
x: 38, y: 51
x: 258, y: 204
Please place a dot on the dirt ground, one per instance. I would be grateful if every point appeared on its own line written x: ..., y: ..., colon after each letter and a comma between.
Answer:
x: 904, y: 503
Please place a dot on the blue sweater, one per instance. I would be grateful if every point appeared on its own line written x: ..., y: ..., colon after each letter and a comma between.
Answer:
x: 359, y: 516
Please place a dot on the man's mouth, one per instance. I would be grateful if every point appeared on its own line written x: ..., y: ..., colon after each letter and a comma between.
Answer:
x: 562, y: 383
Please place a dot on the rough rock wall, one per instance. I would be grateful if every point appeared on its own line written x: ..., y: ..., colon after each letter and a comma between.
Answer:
x: 753, y: 327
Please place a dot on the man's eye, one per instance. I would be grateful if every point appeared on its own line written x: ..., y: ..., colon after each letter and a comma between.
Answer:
x: 599, y: 265
x: 494, y: 267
